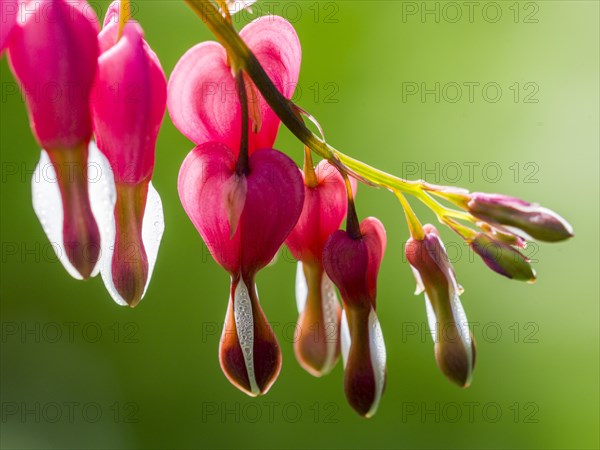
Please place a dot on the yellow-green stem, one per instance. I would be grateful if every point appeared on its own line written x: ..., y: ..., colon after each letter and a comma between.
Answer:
x: 414, y: 225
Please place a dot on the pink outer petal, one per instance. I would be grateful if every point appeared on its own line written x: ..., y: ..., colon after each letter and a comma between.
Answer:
x: 274, y: 42
x: 375, y: 239
x: 131, y: 96
x: 274, y: 198
x: 205, y: 177
x: 9, y: 11
x: 202, y: 99
x: 203, y: 103
x: 325, y: 207
x: 273, y: 205
x: 61, y: 38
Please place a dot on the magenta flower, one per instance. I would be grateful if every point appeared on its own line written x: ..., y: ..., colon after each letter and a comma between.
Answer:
x: 243, y: 197
x: 131, y: 101
x: 202, y: 94
x: 454, y: 344
x: 352, y: 263
x: 243, y: 218
x: 55, y: 49
x: 317, y: 344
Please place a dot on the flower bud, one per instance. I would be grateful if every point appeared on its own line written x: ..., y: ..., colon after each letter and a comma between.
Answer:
x: 538, y: 222
x: 353, y: 265
x: 267, y: 201
x: 502, y: 258
x: 126, y: 125
x: 454, y: 344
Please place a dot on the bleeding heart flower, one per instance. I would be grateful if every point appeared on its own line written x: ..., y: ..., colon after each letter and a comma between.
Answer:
x: 203, y: 103
x: 352, y: 263
x: 243, y: 217
x: 317, y: 344
x: 131, y: 102
x: 53, y: 53
x: 454, y: 344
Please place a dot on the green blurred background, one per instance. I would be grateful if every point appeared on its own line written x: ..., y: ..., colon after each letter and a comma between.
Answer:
x: 80, y: 372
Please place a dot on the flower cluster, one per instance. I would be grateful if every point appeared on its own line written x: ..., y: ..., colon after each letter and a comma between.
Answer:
x: 245, y: 198
x: 113, y: 223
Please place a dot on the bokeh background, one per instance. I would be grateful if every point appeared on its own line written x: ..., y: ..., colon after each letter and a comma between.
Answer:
x: 80, y: 372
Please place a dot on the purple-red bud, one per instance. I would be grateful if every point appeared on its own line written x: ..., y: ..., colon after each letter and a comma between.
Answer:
x: 536, y: 221
x: 502, y: 258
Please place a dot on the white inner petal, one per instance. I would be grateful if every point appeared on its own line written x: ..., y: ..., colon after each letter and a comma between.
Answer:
x: 301, y: 288
x: 378, y: 358
x: 462, y: 324
x: 244, y: 323
x: 153, y: 227
x: 48, y: 206
x: 345, y: 337
x: 330, y: 303
x: 431, y: 319
x: 103, y: 197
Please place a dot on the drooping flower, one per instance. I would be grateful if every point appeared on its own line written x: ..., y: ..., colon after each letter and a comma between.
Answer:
x: 454, y: 344
x: 202, y: 101
x: 53, y: 53
x: 243, y: 218
x: 352, y: 262
x: 128, y: 112
x: 536, y: 221
x: 243, y: 211
x: 317, y: 342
